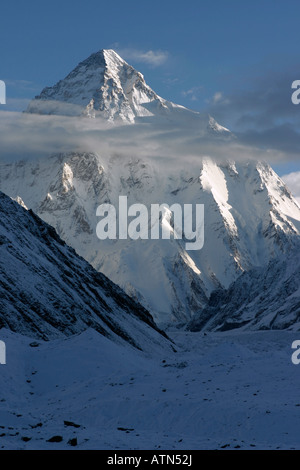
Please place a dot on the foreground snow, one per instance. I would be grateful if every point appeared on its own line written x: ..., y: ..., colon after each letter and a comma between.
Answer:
x: 220, y: 390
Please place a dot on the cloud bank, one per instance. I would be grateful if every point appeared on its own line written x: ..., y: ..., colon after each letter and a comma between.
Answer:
x: 185, y: 139
x: 171, y: 144
x: 261, y: 112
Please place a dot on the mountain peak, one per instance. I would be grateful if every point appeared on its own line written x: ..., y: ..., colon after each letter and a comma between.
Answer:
x: 103, y: 84
x: 103, y: 58
x: 111, y: 55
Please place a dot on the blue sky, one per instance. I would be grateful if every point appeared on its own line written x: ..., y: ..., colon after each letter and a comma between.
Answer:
x: 235, y: 59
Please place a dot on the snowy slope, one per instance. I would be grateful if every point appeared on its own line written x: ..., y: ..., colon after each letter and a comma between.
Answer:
x: 219, y: 391
x: 262, y: 298
x: 250, y: 218
x: 48, y: 291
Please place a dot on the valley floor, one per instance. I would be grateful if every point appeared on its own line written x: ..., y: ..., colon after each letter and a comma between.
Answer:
x: 219, y: 391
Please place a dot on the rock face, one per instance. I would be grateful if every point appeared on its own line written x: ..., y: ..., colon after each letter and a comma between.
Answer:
x: 262, y: 298
x: 47, y: 291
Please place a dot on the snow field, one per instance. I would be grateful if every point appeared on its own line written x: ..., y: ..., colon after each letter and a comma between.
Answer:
x: 218, y: 391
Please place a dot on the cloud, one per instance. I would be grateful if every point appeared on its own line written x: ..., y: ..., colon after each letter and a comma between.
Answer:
x: 173, y: 141
x: 193, y: 93
x: 152, y: 58
x: 218, y: 97
x: 16, y: 104
x: 260, y: 112
x: 19, y: 93
x: 292, y: 180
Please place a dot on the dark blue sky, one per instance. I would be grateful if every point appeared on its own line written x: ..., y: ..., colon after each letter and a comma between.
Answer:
x: 236, y: 58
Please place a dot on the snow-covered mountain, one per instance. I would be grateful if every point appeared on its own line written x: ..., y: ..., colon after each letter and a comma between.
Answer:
x: 102, y: 85
x: 250, y: 218
x: 105, y: 86
x: 47, y: 291
x: 262, y: 298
